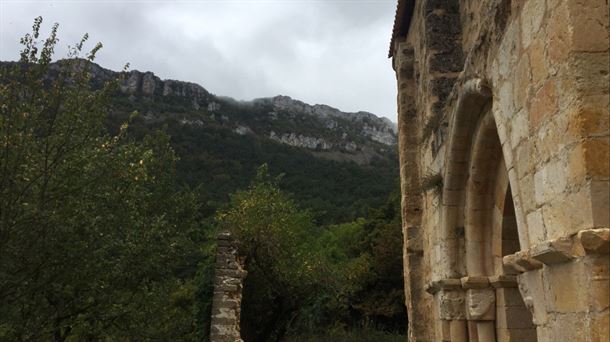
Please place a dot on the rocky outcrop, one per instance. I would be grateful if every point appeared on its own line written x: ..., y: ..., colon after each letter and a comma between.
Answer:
x: 319, y: 128
x: 149, y: 85
x: 293, y: 139
x: 378, y: 129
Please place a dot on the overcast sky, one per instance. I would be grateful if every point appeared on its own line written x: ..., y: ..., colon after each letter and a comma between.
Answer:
x: 319, y: 51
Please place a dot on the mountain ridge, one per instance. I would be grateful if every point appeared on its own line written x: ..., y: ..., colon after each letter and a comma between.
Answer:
x: 324, y: 130
x: 335, y: 163
x: 347, y: 136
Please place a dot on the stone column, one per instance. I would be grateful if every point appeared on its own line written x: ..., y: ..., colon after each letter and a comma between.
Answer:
x: 228, y: 284
x: 450, y: 304
x: 458, y: 332
x: 411, y: 200
x: 480, y: 309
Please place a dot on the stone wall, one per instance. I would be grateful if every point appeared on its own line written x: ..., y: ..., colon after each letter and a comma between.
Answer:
x: 228, y: 285
x: 503, y: 119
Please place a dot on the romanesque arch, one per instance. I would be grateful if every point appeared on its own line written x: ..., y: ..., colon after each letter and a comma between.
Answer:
x: 537, y: 216
x: 475, y: 97
x: 478, y: 229
x: 495, y: 308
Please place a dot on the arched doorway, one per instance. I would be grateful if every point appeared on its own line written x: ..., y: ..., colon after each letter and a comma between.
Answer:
x: 495, y: 308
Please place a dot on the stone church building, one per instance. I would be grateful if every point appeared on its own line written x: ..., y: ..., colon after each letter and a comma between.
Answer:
x: 503, y: 120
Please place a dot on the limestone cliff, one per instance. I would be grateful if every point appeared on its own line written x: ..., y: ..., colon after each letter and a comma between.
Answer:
x: 325, y: 130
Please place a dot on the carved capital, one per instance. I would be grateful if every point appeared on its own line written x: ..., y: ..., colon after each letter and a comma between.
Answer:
x: 451, y: 304
x: 481, y: 304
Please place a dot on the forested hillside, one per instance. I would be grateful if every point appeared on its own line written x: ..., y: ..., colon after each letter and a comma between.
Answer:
x: 337, y: 164
x: 113, y: 187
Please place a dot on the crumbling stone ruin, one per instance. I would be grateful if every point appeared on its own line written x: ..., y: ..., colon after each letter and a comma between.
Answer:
x: 228, y: 285
x: 503, y: 140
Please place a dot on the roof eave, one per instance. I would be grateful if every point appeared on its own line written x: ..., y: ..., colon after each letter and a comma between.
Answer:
x: 402, y: 21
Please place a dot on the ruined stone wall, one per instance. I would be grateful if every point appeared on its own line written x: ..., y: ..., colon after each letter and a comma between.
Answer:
x: 228, y: 285
x: 533, y: 75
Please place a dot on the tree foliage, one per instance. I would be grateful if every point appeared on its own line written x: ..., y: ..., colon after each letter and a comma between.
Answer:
x: 273, y: 234
x: 99, y: 242
x: 95, y: 240
x: 225, y: 161
x: 308, y: 279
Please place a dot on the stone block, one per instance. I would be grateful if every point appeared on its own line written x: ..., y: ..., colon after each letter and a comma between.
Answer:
x: 522, y: 83
x: 596, y: 154
x: 550, y: 180
x: 534, y: 294
x: 532, y: 16
x: 524, y: 155
x: 591, y: 117
x: 517, y: 335
x: 503, y: 281
x: 522, y: 261
x: 599, y: 295
x: 553, y: 252
x: 600, y: 326
x: 568, y: 294
x: 505, y: 104
x: 445, y: 331
x: 595, y: 241
x: 592, y: 71
x: 474, y: 282
x: 589, y: 24
x: 542, y: 105
x: 225, y: 288
x: 538, y: 61
x: 535, y: 227
x: 560, y: 217
x: 569, y: 327
x: 509, y: 50
x: 450, y: 305
x: 558, y: 33
x: 510, y: 266
x: 527, y: 191
x: 514, y: 317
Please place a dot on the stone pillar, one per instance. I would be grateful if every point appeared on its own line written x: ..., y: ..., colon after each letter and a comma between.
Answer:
x: 414, y: 263
x: 480, y: 309
x: 228, y: 284
x: 458, y: 332
x: 451, y: 310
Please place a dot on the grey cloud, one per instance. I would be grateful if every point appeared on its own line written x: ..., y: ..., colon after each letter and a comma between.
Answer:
x: 331, y: 52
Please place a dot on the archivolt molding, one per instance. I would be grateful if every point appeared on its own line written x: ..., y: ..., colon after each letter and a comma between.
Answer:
x: 474, y: 96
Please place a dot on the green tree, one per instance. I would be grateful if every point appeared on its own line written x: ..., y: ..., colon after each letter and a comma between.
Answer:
x: 95, y: 240
x: 283, y: 273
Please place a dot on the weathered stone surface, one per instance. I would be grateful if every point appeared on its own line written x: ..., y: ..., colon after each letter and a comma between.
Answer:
x: 481, y: 304
x: 595, y: 241
x: 503, y: 281
x: 553, y: 252
x: 546, y: 64
x: 451, y: 305
x: 475, y: 282
x: 228, y: 284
